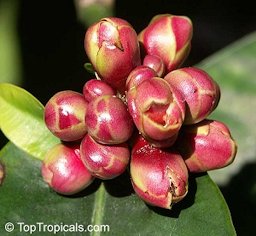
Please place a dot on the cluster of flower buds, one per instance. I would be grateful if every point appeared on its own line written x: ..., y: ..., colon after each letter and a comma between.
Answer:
x: 142, y: 110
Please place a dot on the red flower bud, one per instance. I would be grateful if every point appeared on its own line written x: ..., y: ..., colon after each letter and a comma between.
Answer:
x: 1, y: 173
x: 156, y: 108
x: 159, y: 176
x: 113, y: 49
x: 64, y: 171
x: 108, y: 120
x: 64, y: 115
x: 104, y: 161
x: 207, y: 145
x: 168, y: 37
x: 200, y: 92
x: 95, y: 88
x: 139, y: 74
x: 156, y: 63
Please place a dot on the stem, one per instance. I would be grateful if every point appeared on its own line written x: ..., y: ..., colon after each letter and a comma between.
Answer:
x: 98, y: 208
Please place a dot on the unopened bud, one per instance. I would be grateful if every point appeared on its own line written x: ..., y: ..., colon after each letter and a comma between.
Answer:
x: 159, y: 176
x: 156, y: 63
x: 157, y: 109
x: 113, y: 49
x: 168, y: 37
x: 1, y: 173
x: 108, y: 120
x: 64, y: 115
x: 207, y: 145
x: 64, y: 171
x: 104, y: 161
x: 200, y: 92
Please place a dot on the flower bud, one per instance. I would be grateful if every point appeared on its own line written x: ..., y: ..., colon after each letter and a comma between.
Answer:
x: 1, y: 173
x: 95, y: 88
x: 207, y: 145
x: 139, y: 74
x: 168, y: 37
x: 113, y: 49
x: 200, y: 92
x: 104, y: 161
x: 159, y: 176
x: 156, y: 108
x: 64, y: 115
x: 108, y: 120
x: 64, y: 171
x: 156, y: 63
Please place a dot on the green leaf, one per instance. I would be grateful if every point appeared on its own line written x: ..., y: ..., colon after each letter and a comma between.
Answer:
x: 10, y: 58
x: 234, y: 70
x: 26, y: 198
x: 21, y: 120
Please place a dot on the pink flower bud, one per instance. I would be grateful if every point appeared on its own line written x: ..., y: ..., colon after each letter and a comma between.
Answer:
x: 64, y: 115
x: 168, y: 37
x: 200, y: 92
x: 156, y: 63
x: 207, y: 145
x: 156, y: 108
x: 108, y: 120
x: 113, y: 49
x: 63, y: 170
x: 95, y: 88
x: 139, y: 74
x: 1, y: 173
x: 104, y: 161
x: 159, y: 176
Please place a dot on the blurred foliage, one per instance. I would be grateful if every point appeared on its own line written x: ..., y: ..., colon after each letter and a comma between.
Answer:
x: 90, y: 11
x: 10, y: 61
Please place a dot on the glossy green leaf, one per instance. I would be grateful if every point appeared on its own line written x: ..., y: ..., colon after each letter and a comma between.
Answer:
x: 26, y: 198
x: 21, y: 120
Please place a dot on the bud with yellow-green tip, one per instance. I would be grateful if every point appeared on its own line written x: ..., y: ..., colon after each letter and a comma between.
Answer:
x: 63, y: 170
x: 206, y: 146
x: 199, y: 91
x: 112, y: 47
x: 168, y: 37
x: 159, y: 176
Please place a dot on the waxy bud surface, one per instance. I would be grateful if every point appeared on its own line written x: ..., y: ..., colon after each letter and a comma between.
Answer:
x: 64, y: 115
x: 207, y: 145
x: 168, y: 37
x: 112, y: 47
x: 200, y: 92
x: 139, y: 74
x: 159, y: 176
x: 104, y: 161
x: 95, y: 88
x: 156, y: 108
x: 156, y: 63
x: 64, y: 171
x: 1, y: 173
x: 108, y: 120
